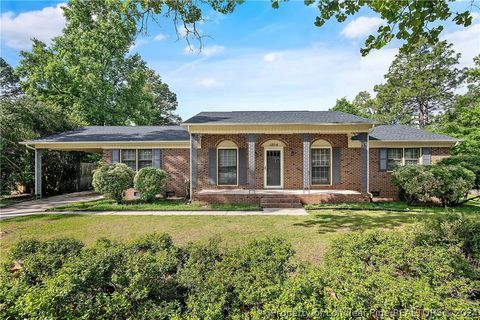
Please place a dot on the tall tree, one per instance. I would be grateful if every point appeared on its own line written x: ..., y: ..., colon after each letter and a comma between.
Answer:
x: 419, y: 85
x: 9, y: 81
x: 343, y: 105
x: 363, y: 105
x: 88, y: 69
x: 463, y: 120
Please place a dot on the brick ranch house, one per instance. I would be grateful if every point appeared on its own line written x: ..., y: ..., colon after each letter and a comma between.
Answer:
x: 268, y: 157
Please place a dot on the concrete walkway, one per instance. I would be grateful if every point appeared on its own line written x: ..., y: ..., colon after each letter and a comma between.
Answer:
x: 42, y: 205
x: 39, y: 207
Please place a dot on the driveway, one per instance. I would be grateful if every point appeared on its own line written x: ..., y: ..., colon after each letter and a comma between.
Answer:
x: 42, y: 205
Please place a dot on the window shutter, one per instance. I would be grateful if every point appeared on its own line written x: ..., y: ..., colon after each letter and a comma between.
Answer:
x: 382, y: 159
x: 115, y: 155
x: 212, y: 166
x: 336, y: 166
x: 427, y: 156
x: 242, y: 166
x: 157, y: 156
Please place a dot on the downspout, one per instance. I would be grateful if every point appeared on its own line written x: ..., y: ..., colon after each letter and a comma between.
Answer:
x: 370, y: 196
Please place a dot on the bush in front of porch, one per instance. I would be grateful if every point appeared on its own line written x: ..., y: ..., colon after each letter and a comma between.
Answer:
x: 113, y: 180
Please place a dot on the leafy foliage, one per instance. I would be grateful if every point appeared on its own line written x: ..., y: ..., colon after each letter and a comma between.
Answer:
x: 463, y: 119
x: 150, y: 182
x: 449, y: 183
x: 113, y: 180
x: 416, y: 183
x: 403, y: 274
x: 405, y: 20
x: 470, y: 162
x: 88, y: 72
x: 454, y: 183
x: 419, y: 84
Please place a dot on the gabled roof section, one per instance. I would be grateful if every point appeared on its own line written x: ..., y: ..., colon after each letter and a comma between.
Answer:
x: 117, y: 134
x: 403, y: 133
x: 275, y: 117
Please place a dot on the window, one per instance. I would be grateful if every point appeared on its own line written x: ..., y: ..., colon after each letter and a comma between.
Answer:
x: 394, y: 158
x: 320, y: 166
x: 412, y: 156
x: 402, y: 157
x: 129, y: 157
x: 145, y: 158
x: 227, y: 166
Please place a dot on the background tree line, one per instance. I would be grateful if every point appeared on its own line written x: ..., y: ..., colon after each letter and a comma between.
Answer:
x: 86, y: 76
x: 422, y: 89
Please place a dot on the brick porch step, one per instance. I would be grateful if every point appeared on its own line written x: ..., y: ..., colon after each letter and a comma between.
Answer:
x: 281, y: 205
x: 280, y: 201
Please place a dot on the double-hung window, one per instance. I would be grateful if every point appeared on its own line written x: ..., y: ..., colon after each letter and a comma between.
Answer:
x: 227, y: 166
x: 397, y: 157
x: 129, y: 157
x: 137, y: 159
x: 412, y: 156
x: 320, y: 166
x: 145, y: 158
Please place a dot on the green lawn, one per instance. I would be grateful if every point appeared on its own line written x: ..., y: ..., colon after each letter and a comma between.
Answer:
x: 309, y: 235
x: 158, y: 205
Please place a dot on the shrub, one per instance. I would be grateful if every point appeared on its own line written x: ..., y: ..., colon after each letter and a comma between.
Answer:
x: 150, y: 182
x: 470, y: 162
x: 415, y: 182
x: 454, y: 182
x: 113, y: 180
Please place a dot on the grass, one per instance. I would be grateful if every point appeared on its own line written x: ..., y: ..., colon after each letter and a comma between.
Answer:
x: 158, y: 205
x: 310, y: 235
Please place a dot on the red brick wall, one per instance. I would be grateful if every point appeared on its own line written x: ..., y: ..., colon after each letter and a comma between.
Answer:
x: 381, y: 180
x: 293, y: 160
x: 176, y: 162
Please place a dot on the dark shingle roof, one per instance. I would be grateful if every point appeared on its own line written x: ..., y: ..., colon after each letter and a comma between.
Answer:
x: 275, y: 117
x: 119, y: 133
x: 403, y: 133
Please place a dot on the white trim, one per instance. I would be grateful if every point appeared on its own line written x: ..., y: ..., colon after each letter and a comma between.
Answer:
x: 227, y: 148
x: 281, y: 149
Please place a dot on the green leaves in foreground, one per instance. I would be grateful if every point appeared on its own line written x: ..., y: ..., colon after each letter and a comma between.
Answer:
x: 427, y: 271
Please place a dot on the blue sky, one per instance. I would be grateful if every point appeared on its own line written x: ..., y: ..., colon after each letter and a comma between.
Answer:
x: 257, y: 58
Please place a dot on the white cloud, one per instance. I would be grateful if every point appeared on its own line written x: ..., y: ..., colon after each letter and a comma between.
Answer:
x: 271, y: 57
x: 307, y: 78
x: 17, y: 31
x: 361, y: 26
x: 211, y: 83
x: 160, y: 37
x: 205, y: 51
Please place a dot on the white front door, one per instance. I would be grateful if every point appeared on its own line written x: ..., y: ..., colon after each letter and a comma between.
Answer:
x: 273, y: 172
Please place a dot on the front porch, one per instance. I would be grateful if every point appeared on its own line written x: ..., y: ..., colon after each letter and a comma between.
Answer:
x: 288, y: 198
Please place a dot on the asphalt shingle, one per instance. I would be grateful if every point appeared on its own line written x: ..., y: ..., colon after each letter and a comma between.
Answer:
x: 403, y: 133
x: 274, y: 117
x: 119, y: 133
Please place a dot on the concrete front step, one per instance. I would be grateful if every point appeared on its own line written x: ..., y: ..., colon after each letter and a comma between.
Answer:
x: 281, y: 205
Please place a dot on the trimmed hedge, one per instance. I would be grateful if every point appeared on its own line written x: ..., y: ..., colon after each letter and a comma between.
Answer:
x: 150, y: 182
x: 113, y: 180
x: 449, y: 183
x: 429, y: 269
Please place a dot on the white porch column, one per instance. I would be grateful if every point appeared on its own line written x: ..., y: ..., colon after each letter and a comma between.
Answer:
x: 193, y: 163
x: 306, y: 162
x: 251, y: 139
x: 38, y: 173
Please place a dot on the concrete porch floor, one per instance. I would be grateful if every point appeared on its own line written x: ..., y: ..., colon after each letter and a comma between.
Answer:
x: 273, y: 192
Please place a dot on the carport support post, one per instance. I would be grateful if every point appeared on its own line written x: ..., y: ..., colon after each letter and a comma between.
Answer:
x: 38, y: 173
